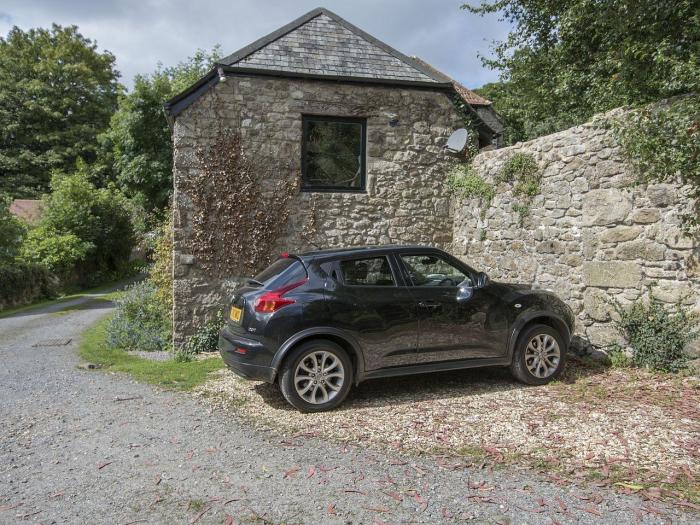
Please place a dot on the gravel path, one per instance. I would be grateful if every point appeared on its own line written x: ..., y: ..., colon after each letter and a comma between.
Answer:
x: 82, y: 446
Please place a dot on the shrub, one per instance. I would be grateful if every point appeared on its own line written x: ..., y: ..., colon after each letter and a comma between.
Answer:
x: 519, y: 166
x: 618, y: 358
x: 657, y: 333
x: 527, y: 186
x: 22, y: 283
x: 465, y: 182
x: 98, y: 218
x: 161, y: 271
x: 58, y: 252
x: 140, y: 322
x: 206, y: 339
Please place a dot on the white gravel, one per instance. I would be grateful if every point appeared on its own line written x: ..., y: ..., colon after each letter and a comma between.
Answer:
x: 71, y: 453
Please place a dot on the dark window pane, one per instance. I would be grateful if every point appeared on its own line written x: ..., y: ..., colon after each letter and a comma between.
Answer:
x: 283, y: 271
x: 428, y: 270
x: 367, y: 272
x: 333, y: 154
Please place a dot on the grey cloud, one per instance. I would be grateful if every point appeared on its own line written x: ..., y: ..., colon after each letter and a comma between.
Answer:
x: 142, y: 33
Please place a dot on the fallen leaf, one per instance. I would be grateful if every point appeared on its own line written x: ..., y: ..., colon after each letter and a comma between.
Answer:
x: 630, y: 486
x: 228, y: 520
x: 393, y: 495
x: 421, y: 501
x: 684, y: 503
x: 198, y: 516
x: 331, y: 508
x: 290, y: 473
x: 590, y: 510
x: 652, y: 510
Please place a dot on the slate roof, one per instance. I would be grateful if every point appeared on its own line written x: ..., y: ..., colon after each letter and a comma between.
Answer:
x: 321, y: 43
x: 467, y: 94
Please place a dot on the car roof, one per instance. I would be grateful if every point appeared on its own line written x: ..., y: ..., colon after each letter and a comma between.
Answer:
x: 369, y: 250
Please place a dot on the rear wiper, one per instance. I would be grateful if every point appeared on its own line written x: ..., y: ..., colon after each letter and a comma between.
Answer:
x: 253, y: 281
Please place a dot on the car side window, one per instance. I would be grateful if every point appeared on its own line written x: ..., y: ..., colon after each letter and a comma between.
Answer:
x: 373, y: 271
x: 430, y: 270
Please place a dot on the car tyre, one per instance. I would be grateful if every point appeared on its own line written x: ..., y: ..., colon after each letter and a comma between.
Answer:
x: 310, y: 388
x: 540, y: 355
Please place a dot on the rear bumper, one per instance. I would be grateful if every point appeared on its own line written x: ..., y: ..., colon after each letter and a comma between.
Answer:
x: 241, y: 363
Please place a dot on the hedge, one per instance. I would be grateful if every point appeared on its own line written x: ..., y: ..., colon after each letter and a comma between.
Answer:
x: 22, y: 283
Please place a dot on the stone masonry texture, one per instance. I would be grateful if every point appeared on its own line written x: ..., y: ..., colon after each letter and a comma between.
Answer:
x: 592, y: 235
x: 406, y: 201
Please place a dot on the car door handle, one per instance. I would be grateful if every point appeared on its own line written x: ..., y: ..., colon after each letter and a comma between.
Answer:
x: 429, y: 304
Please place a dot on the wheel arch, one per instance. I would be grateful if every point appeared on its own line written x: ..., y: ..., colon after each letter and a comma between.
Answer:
x: 529, y: 319
x: 345, y: 341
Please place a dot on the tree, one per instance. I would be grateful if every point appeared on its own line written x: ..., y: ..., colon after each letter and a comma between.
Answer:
x: 138, y: 144
x: 57, y: 93
x: 83, y: 229
x: 566, y: 60
x: 12, y: 231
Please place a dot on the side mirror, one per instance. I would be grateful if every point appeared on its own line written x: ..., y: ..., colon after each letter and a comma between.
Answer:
x: 481, y: 280
x: 465, y: 291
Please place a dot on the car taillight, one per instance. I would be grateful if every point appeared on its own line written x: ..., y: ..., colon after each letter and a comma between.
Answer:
x: 272, y: 301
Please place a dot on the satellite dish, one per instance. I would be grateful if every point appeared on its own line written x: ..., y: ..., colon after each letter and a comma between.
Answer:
x: 457, y: 141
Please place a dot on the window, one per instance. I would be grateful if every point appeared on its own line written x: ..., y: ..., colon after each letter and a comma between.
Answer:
x: 429, y: 270
x: 333, y: 154
x: 367, y: 272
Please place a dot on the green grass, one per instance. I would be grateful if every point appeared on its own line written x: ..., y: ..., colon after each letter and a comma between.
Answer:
x: 169, y: 374
x: 70, y: 295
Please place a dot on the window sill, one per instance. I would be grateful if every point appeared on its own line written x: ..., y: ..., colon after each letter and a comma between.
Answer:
x: 333, y: 190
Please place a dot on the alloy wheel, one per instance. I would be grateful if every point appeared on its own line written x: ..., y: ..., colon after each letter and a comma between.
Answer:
x: 542, y: 355
x: 319, y: 376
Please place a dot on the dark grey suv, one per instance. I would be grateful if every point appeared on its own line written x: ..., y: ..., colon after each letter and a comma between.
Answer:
x: 319, y: 322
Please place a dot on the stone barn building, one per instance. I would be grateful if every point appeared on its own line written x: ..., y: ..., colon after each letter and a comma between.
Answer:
x: 358, y: 127
x: 319, y: 135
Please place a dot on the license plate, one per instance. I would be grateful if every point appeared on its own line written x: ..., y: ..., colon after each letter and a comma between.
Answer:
x: 236, y: 314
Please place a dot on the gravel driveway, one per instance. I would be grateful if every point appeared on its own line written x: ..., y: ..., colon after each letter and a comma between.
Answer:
x: 80, y: 446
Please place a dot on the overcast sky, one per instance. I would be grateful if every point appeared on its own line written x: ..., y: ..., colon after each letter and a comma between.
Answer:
x: 142, y: 33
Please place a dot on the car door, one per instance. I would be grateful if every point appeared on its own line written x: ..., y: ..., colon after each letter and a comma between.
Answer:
x: 453, y: 325
x: 370, y: 300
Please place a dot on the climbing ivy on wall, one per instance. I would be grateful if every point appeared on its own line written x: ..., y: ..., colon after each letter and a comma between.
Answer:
x: 521, y: 170
x: 239, y: 210
x: 525, y: 174
x: 465, y: 182
x: 470, y: 125
x: 662, y: 143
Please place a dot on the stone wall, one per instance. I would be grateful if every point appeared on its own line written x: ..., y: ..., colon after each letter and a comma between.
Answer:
x: 406, y: 200
x: 591, y: 235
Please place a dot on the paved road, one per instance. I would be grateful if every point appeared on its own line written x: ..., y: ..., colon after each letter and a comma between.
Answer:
x: 70, y: 452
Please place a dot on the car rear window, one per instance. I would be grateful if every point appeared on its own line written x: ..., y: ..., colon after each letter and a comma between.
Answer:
x: 367, y: 272
x: 285, y: 270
